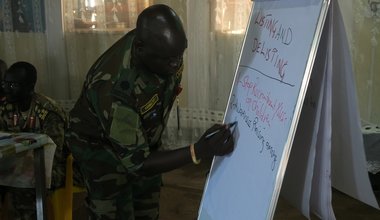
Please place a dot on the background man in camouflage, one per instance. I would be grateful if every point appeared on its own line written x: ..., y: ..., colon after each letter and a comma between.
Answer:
x: 117, y: 122
x: 3, y: 68
x: 26, y: 111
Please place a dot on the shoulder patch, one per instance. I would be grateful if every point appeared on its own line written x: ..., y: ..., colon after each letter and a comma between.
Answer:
x: 43, y: 105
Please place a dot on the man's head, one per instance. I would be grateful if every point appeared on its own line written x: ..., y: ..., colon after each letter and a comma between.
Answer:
x: 19, y: 81
x: 160, y: 40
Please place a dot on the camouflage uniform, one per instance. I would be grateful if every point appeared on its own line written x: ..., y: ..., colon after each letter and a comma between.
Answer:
x: 115, y: 124
x: 43, y: 116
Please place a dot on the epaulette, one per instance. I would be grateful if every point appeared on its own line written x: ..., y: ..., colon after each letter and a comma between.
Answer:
x: 44, y: 105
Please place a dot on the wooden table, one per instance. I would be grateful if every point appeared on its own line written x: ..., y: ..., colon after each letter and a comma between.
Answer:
x: 13, y: 144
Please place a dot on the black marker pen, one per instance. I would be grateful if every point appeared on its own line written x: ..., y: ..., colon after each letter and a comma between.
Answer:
x: 216, y: 131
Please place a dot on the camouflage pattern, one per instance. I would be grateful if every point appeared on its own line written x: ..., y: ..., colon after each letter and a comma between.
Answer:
x: 43, y: 116
x: 115, y: 124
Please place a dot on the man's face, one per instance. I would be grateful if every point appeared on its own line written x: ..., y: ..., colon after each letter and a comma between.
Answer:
x: 15, y: 86
x: 164, y: 59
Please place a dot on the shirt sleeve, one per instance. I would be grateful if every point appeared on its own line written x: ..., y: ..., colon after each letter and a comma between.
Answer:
x: 126, y: 133
x: 54, y: 127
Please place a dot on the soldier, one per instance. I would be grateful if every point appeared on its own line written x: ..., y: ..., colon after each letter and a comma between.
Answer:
x: 27, y: 111
x: 3, y: 68
x: 117, y: 122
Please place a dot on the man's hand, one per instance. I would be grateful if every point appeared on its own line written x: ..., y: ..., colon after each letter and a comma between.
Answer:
x: 216, y: 141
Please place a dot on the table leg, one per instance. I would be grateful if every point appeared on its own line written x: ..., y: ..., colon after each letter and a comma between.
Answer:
x: 39, y: 169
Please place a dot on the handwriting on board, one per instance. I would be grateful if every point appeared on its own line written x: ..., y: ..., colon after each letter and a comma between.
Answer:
x: 268, y: 89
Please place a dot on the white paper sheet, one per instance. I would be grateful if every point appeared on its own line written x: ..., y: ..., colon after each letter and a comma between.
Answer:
x: 320, y: 201
x: 349, y: 170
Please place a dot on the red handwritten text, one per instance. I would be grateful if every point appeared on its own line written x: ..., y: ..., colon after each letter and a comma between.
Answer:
x: 262, y: 103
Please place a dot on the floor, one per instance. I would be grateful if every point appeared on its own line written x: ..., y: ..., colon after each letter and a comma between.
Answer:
x: 182, y: 192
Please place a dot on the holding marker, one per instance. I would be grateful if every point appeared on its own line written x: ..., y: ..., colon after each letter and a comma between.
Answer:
x: 216, y: 131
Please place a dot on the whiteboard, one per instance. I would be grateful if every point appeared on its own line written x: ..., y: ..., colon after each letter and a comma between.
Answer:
x: 269, y: 87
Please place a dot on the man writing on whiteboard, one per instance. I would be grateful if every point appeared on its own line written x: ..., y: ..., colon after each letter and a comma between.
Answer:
x: 116, y: 124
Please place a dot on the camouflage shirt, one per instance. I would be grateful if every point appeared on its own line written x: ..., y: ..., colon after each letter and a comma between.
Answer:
x: 44, y: 116
x: 124, y: 107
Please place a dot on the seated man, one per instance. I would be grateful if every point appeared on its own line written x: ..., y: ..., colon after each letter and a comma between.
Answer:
x: 26, y: 111
x: 3, y: 68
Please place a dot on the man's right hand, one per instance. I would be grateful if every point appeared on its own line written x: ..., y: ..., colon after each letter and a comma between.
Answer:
x: 216, y: 141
